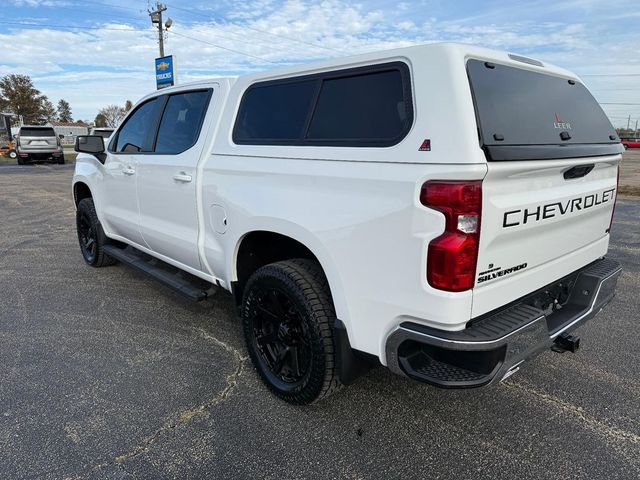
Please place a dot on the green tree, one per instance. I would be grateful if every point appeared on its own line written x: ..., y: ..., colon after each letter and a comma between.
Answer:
x: 48, y: 111
x: 100, y: 121
x: 64, y: 111
x: 18, y: 95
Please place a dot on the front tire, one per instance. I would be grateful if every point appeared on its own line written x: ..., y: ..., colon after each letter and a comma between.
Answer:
x: 90, y: 235
x: 288, y: 317
x: 60, y: 161
x: 22, y: 160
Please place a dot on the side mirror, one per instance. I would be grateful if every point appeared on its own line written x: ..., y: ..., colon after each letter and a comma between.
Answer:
x: 61, y: 136
x: 93, y: 144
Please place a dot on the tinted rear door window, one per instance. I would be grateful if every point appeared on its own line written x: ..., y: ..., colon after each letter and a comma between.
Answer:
x: 515, y: 106
x: 181, y: 121
x: 368, y: 107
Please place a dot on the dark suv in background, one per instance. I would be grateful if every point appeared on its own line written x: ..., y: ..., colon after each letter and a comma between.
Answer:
x: 38, y: 143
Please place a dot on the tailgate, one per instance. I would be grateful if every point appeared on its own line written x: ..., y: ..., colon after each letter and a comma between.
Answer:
x: 33, y: 143
x: 550, y: 188
x: 38, y: 138
x: 538, y: 226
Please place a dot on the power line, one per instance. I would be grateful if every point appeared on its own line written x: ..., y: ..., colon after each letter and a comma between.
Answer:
x: 100, y: 14
x: 615, y: 89
x: 111, y: 5
x: 199, y: 14
x: 610, y: 75
x: 60, y: 27
x: 222, y: 36
x: 84, y: 2
x: 618, y: 103
x: 173, y: 32
x: 208, y: 17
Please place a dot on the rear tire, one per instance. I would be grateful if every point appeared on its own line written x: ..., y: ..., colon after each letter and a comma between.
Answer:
x: 12, y: 154
x: 90, y: 235
x: 288, y: 317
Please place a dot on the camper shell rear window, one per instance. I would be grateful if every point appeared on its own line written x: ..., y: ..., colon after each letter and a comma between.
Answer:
x: 523, y: 114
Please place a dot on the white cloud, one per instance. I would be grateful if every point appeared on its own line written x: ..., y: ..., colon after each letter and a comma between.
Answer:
x: 40, y: 3
x: 406, y: 25
x: 92, y: 68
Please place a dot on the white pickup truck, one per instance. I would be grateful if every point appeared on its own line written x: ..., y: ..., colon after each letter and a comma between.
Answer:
x: 443, y: 210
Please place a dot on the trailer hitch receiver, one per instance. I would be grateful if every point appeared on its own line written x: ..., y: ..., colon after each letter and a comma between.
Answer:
x: 566, y: 342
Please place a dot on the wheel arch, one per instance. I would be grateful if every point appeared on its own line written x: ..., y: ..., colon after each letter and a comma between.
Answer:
x: 81, y: 190
x: 259, y: 247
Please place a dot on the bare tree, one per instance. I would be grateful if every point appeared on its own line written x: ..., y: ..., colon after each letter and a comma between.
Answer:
x: 113, y: 115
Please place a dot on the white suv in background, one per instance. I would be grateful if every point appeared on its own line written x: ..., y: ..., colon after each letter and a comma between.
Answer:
x: 38, y: 143
x: 104, y: 132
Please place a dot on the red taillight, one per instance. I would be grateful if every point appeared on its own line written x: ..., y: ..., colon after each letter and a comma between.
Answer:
x: 452, y: 257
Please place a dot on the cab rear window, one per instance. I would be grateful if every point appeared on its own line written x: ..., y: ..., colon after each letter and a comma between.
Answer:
x: 521, y: 108
x: 37, y: 132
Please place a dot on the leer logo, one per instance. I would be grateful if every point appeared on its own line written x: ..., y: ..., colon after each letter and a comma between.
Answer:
x: 163, y: 66
x: 560, y: 125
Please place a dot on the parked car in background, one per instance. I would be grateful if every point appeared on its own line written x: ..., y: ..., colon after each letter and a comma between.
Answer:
x: 104, y: 132
x: 631, y: 144
x: 38, y: 143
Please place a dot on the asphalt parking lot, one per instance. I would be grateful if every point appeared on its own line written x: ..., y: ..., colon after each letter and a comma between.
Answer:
x: 106, y: 374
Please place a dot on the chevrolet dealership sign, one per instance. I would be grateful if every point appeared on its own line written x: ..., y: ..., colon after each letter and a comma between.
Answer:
x: 165, y: 72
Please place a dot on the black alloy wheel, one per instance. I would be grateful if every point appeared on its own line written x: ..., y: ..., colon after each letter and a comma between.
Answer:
x: 87, y: 236
x: 288, y: 317
x: 91, y: 237
x: 281, y: 339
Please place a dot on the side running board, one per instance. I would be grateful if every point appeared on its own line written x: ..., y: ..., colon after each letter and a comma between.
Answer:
x: 187, y: 285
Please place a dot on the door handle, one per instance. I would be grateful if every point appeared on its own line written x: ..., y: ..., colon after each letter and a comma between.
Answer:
x: 128, y: 171
x: 182, y: 177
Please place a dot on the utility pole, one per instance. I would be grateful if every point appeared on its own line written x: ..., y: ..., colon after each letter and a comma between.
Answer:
x: 628, y: 122
x: 156, y: 17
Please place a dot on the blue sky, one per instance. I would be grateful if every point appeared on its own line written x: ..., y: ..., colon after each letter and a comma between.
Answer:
x: 95, y: 53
